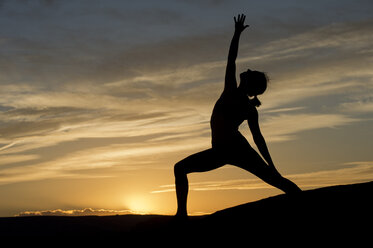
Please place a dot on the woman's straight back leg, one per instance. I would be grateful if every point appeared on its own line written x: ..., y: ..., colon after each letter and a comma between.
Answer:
x: 252, y: 162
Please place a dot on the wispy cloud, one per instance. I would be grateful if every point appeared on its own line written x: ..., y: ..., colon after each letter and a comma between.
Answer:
x: 364, y: 105
x: 76, y: 212
x: 159, y: 96
x: 284, y: 127
x: 10, y: 159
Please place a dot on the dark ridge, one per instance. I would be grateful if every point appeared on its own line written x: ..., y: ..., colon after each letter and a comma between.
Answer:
x: 334, y: 213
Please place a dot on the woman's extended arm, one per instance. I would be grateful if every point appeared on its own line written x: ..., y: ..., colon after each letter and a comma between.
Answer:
x: 259, y: 139
x: 230, y: 73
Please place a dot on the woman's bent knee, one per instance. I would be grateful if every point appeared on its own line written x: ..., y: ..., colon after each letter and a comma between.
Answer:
x: 179, y: 169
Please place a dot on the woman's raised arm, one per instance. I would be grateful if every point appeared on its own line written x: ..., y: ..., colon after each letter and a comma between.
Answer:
x: 230, y: 73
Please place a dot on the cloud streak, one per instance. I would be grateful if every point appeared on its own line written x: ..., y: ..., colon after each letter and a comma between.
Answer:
x: 285, y: 127
x: 159, y: 96
x: 76, y: 212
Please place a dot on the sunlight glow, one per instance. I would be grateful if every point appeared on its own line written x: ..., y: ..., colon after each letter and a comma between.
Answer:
x: 138, y: 204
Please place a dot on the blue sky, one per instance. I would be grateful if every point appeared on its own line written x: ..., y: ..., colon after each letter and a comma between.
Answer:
x: 97, y: 93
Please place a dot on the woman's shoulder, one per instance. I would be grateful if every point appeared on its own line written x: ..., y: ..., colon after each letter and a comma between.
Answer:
x: 230, y: 92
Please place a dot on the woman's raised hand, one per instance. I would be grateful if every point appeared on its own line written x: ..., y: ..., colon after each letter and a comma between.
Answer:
x: 240, y: 23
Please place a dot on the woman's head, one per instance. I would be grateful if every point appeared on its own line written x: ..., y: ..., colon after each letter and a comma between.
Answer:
x: 253, y: 83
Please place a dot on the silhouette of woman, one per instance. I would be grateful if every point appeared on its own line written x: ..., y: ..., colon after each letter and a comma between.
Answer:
x: 229, y: 146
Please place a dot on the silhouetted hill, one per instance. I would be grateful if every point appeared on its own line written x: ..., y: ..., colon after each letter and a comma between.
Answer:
x: 337, y: 212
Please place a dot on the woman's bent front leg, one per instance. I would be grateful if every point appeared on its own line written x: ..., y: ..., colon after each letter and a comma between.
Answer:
x: 200, y: 162
x: 182, y: 188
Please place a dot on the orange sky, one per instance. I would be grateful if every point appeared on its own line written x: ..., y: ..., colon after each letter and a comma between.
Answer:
x: 98, y: 101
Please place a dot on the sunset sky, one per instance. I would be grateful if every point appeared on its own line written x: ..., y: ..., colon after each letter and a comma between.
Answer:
x: 99, y: 100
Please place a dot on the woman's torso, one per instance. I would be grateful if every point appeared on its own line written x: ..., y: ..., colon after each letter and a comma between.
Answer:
x: 231, y: 109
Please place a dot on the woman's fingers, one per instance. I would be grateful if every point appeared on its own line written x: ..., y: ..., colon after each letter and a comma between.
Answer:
x: 240, y: 18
